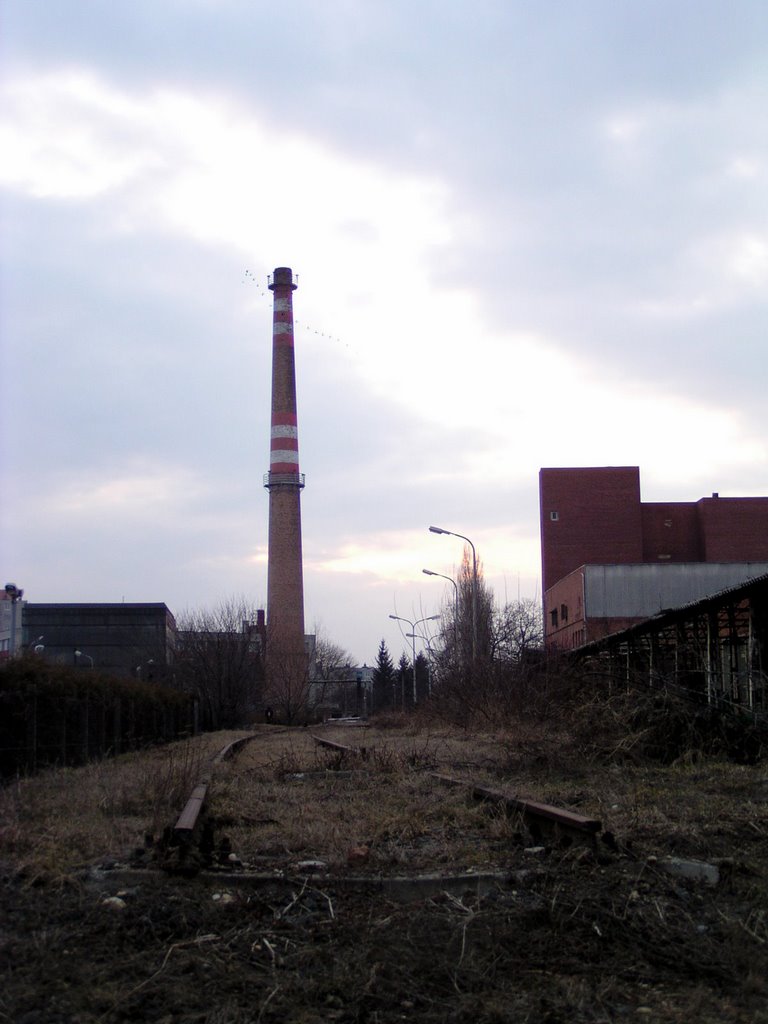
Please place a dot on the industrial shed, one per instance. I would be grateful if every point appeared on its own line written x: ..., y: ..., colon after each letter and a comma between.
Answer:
x: 597, y: 600
x: 716, y: 647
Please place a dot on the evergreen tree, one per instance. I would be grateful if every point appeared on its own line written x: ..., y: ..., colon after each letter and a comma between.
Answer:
x: 404, y: 683
x: 383, y: 679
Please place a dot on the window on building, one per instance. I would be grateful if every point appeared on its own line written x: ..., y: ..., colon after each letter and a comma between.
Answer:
x: 554, y: 516
x: 553, y: 616
x: 564, y: 612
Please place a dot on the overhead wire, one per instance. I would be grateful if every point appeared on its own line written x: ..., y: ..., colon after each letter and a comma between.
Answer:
x: 263, y: 292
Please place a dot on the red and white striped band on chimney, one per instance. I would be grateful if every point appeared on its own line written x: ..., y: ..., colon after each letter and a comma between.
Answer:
x: 284, y: 449
x: 282, y: 320
x: 284, y: 437
x: 286, y: 665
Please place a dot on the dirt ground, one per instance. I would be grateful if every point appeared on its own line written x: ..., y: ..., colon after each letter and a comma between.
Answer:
x: 532, y: 931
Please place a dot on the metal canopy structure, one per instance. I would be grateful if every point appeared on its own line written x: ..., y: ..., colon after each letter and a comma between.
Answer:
x: 716, y: 648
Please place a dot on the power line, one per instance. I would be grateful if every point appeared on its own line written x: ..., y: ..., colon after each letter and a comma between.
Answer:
x: 252, y: 279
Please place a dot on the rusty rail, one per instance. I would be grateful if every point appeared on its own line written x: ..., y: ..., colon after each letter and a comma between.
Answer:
x: 341, y: 748
x: 189, y: 817
x: 189, y: 844
x: 232, y: 748
x: 538, y: 817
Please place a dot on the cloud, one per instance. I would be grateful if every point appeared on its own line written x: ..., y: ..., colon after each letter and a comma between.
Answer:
x: 208, y: 168
x: 59, y: 134
x: 531, y: 237
x: 140, y: 494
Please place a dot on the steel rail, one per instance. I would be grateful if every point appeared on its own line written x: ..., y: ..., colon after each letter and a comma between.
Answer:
x: 193, y: 831
x: 341, y: 748
x: 534, y: 813
x: 187, y: 822
x: 188, y: 819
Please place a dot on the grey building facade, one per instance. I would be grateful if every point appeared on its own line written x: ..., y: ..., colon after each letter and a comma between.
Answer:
x: 136, y: 640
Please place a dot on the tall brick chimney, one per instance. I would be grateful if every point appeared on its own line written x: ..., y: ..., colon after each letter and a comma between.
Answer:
x: 286, y: 661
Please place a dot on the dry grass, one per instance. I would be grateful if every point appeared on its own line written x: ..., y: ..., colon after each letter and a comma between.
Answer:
x: 586, y: 936
x: 286, y: 799
x: 53, y: 822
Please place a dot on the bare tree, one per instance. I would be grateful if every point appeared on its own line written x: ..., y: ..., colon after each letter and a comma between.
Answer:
x: 332, y: 666
x: 465, y: 646
x: 465, y: 627
x: 329, y: 656
x: 286, y: 689
x: 518, y: 630
x: 219, y: 659
x: 502, y: 674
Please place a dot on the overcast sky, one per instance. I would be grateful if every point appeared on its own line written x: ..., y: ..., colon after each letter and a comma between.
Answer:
x: 526, y: 234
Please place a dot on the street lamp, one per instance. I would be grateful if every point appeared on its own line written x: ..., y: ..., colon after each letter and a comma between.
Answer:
x: 428, y: 644
x: 454, y: 584
x: 150, y: 665
x: 82, y: 654
x: 15, y: 594
x: 35, y: 646
x: 412, y: 635
x: 450, y: 533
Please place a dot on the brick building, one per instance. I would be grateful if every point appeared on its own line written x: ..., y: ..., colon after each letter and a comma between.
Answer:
x: 610, y: 559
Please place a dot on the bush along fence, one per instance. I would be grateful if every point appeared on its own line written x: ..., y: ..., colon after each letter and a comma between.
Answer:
x: 52, y: 715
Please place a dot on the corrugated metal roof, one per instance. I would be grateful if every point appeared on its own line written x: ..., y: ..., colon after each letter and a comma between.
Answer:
x: 643, y: 590
x: 671, y: 614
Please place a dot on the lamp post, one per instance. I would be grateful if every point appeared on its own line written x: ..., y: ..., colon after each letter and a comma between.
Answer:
x: 15, y: 594
x: 412, y: 635
x: 454, y: 584
x: 35, y: 646
x: 450, y: 533
x: 428, y: 645
x: 149, y: 665
x: 82, y: 654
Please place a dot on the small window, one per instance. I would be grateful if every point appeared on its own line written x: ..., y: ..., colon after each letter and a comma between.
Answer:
x: 564, y: 612
x: 553, y: 616
x: 554, y: 516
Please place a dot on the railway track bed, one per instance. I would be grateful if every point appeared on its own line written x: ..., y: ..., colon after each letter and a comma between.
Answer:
x: 351, y: 888
x: 317, y: 805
